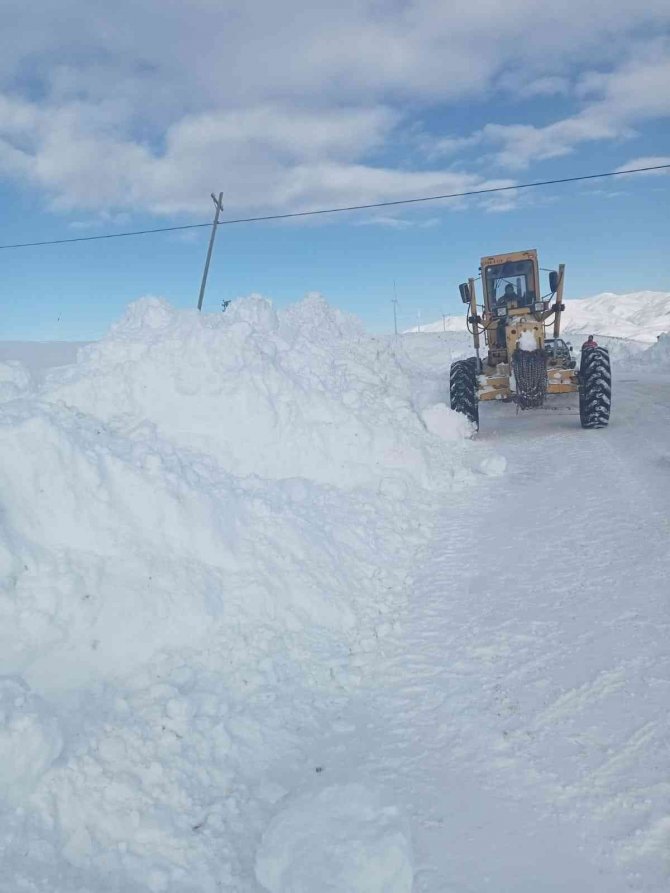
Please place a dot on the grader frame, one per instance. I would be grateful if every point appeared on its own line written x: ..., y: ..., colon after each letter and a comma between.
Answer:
x: 530, y: 317
x: 513, y: 323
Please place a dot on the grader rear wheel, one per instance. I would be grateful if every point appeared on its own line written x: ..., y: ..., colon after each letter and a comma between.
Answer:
x: 595, y: 388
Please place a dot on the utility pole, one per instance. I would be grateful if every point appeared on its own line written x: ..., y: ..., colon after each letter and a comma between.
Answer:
x: 395, y: 314
x: 444, y: 322
x: 219, y: 207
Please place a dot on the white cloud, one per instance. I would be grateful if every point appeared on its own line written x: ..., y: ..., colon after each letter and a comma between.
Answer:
x: 398, y: 222
x: 520, y: 86
x: 647, y: 161
x: 448, y: 145
x: 620, y: 100
x: 150, y: 104
x: 520, y: 144
x: 547, y: 86
x: 264, y: 159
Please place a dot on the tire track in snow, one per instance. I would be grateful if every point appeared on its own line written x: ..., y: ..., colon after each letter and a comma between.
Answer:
x: 519, y: 715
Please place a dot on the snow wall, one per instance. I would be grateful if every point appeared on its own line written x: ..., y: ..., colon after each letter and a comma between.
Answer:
x: 208, y: 523
x: 656, y: 358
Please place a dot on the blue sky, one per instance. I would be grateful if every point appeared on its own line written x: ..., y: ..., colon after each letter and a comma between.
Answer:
x: 125, y: 118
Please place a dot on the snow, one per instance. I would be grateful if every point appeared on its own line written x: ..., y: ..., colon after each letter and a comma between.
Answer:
x: 208, y: 525
x: 639, y: 316
x: 300, y: 393
x: 493, y: 466
x: 527, y: 342
x: 272, y: 618
x: 439, y: 420
x: 30, y: 740
x: 340, y: 839
x: 656, y: 358
x: 15, y: 379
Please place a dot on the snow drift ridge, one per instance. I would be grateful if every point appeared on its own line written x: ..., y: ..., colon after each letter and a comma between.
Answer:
x: 207, y: 526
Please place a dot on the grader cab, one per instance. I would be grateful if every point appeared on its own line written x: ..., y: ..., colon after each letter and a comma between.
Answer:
x: 514, y: 321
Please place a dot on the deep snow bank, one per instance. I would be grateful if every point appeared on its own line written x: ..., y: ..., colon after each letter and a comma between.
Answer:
x: 655, y: 359
x: 304, y: 392
x: 207, y: 527
x: 15, y: 379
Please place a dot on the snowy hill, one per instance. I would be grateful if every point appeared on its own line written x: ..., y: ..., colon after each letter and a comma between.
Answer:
x: 640, y: 316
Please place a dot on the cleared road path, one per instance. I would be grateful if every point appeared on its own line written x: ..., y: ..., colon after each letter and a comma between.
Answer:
x: 521, y: 719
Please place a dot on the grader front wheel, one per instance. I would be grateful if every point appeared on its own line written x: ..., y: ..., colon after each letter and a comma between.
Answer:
x: 463, y: 389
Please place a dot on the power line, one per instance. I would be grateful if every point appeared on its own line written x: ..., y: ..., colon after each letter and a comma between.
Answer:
x: 404, y: 201
x: 137, y: 232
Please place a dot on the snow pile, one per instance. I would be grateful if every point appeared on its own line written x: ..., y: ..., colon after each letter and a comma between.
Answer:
x: 434, y: 352
x: 30, y: 740
x: 527, y: 342
x: 299, y: 393
x: 121, y: 525
x: 656, y: 358
x: 14, y: 380
x: 426, y: 360
x: 208, y: 524
x: 340, y: 840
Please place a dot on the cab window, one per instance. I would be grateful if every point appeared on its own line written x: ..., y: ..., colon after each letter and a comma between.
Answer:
x: 519, y: 274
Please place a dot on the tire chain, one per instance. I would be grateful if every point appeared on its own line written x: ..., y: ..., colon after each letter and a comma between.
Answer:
x: 530, y: 373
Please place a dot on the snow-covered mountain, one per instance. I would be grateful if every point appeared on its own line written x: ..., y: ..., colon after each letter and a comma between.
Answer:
x: 640, y: 316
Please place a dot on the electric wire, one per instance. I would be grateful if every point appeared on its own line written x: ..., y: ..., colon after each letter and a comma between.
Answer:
x: 322, y: 211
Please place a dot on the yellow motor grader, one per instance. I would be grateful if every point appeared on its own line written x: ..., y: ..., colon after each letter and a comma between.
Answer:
x: 521, y: 364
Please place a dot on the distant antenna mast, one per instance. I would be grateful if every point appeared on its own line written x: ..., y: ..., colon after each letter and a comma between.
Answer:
x: 395, y: 314
x: 219, y: 207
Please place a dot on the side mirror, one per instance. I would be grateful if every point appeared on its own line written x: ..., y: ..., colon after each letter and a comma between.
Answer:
x: 464, y: 289
x: 553, y: 281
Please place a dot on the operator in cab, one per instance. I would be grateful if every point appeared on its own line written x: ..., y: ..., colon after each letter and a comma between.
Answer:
x: 508, y: 295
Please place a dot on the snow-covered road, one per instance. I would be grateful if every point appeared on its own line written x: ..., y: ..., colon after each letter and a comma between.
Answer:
x: 519, y: 718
